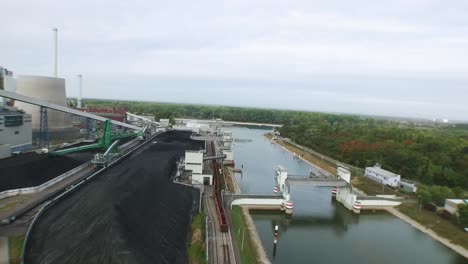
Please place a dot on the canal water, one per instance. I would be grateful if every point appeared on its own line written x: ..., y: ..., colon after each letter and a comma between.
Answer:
x: 321, y: 230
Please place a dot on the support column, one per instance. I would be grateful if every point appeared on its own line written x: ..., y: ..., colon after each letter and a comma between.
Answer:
x: 44, y: 140
x: 89, y: 128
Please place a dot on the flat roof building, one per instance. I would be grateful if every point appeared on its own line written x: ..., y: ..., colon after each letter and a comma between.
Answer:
x: 194, y: 165
x: 408, y: 186
x: 382, y: 176
x: 451, y: 205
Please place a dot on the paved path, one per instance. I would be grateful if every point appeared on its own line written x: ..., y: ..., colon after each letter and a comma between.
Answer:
x: 4, y: 250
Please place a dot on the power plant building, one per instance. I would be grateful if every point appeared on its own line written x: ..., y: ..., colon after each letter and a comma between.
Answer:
x: 15, y: 131
x: 15, y: 125
x: 7, y: 83
x: 44, y: 88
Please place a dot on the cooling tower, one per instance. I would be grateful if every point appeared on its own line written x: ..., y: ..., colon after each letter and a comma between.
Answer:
x: 48, y: 89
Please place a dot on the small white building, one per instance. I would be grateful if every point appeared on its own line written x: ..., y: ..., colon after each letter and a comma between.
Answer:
x: 194, y: 166
x: 382, y: 176
x: 164, y: 122
x: 451, y: 205
x: 408, y: 186
x: 193, y: 126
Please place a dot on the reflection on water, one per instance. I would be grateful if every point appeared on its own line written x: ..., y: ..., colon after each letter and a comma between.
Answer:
x: 321, y: 230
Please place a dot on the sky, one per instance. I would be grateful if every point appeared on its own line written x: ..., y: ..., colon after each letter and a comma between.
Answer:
x: 393, y: 58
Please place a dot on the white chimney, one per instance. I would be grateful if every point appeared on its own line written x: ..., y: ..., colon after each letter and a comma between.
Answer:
x: 55, y: 52
x: 80, y: 79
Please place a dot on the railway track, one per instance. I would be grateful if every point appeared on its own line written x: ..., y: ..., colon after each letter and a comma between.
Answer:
x: 219, y: 248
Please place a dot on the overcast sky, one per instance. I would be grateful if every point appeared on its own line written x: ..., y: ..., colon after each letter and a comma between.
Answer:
x: 399, y: 57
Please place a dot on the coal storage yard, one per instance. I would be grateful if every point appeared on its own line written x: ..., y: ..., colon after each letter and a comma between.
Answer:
x: 31, y: 169
x: 132, y: 213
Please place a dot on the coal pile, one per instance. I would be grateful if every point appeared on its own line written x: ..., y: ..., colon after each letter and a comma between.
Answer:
x: 32, y: 169
x: 132, y: 213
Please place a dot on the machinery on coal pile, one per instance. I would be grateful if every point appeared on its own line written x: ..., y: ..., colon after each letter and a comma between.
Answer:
x: 108, y: 142
x: 112, y: 153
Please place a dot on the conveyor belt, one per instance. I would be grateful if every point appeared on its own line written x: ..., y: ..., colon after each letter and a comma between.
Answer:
x: 30, y: 100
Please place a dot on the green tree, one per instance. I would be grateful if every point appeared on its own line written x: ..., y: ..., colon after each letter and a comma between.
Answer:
x: 458, y: 192
x: 424, y: 194
x: 463, y: 214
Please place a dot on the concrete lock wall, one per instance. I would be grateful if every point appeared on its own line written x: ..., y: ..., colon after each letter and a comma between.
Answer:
x: 48, y: 89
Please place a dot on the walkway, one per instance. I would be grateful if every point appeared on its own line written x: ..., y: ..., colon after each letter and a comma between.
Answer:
x: 322, y: 181
x: 4, y: 250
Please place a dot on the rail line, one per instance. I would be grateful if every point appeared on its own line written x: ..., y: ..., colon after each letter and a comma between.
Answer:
x: 219, y: 248
x: 215, y: 168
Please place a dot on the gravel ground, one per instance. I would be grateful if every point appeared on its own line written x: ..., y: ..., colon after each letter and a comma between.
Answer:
x: 132, y: 213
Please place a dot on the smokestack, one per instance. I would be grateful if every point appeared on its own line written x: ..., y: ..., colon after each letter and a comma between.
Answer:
x: 80, y: 79
x: 55, y: 52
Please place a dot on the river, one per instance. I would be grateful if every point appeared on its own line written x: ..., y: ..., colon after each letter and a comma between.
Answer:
x: 321, y: 230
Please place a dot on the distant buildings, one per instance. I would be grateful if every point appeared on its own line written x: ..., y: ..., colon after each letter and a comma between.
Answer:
x: 164, y: 122
x: 114, y: 113
x: 382, y: 176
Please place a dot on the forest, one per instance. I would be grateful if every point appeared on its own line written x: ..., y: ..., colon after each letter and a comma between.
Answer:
x: 430, y: 154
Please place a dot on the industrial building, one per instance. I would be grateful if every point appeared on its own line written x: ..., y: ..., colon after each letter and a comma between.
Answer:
x: 164, y: 122
x: 15, y: 125
x: 7, y: 83
x: 15, y: 131
x: 382, y: 176
x: 48, y: 89
x: 451, y: 205
x: 194, y: 168
x: 192, y: 125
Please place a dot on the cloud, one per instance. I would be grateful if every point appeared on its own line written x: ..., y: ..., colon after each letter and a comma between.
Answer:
x: 339, y: 22
x: 254, y: 44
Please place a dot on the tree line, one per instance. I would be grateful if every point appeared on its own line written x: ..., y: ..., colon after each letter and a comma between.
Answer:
x: 432, y: 155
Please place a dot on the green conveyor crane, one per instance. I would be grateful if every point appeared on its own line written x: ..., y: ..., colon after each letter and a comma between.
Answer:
x: 104, y: 142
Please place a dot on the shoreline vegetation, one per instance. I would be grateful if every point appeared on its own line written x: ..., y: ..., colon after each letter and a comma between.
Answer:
x: 432, y: 153
x: 242, y: 221
x: 408, y: 215
x: 197, y: 247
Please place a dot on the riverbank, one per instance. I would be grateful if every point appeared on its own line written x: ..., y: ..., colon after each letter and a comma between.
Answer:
x: 457, y: 248
x: 255, y: 242
x: 413, y: 222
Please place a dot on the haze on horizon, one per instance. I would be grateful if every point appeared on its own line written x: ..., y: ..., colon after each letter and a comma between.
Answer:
x: 398, y: 58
